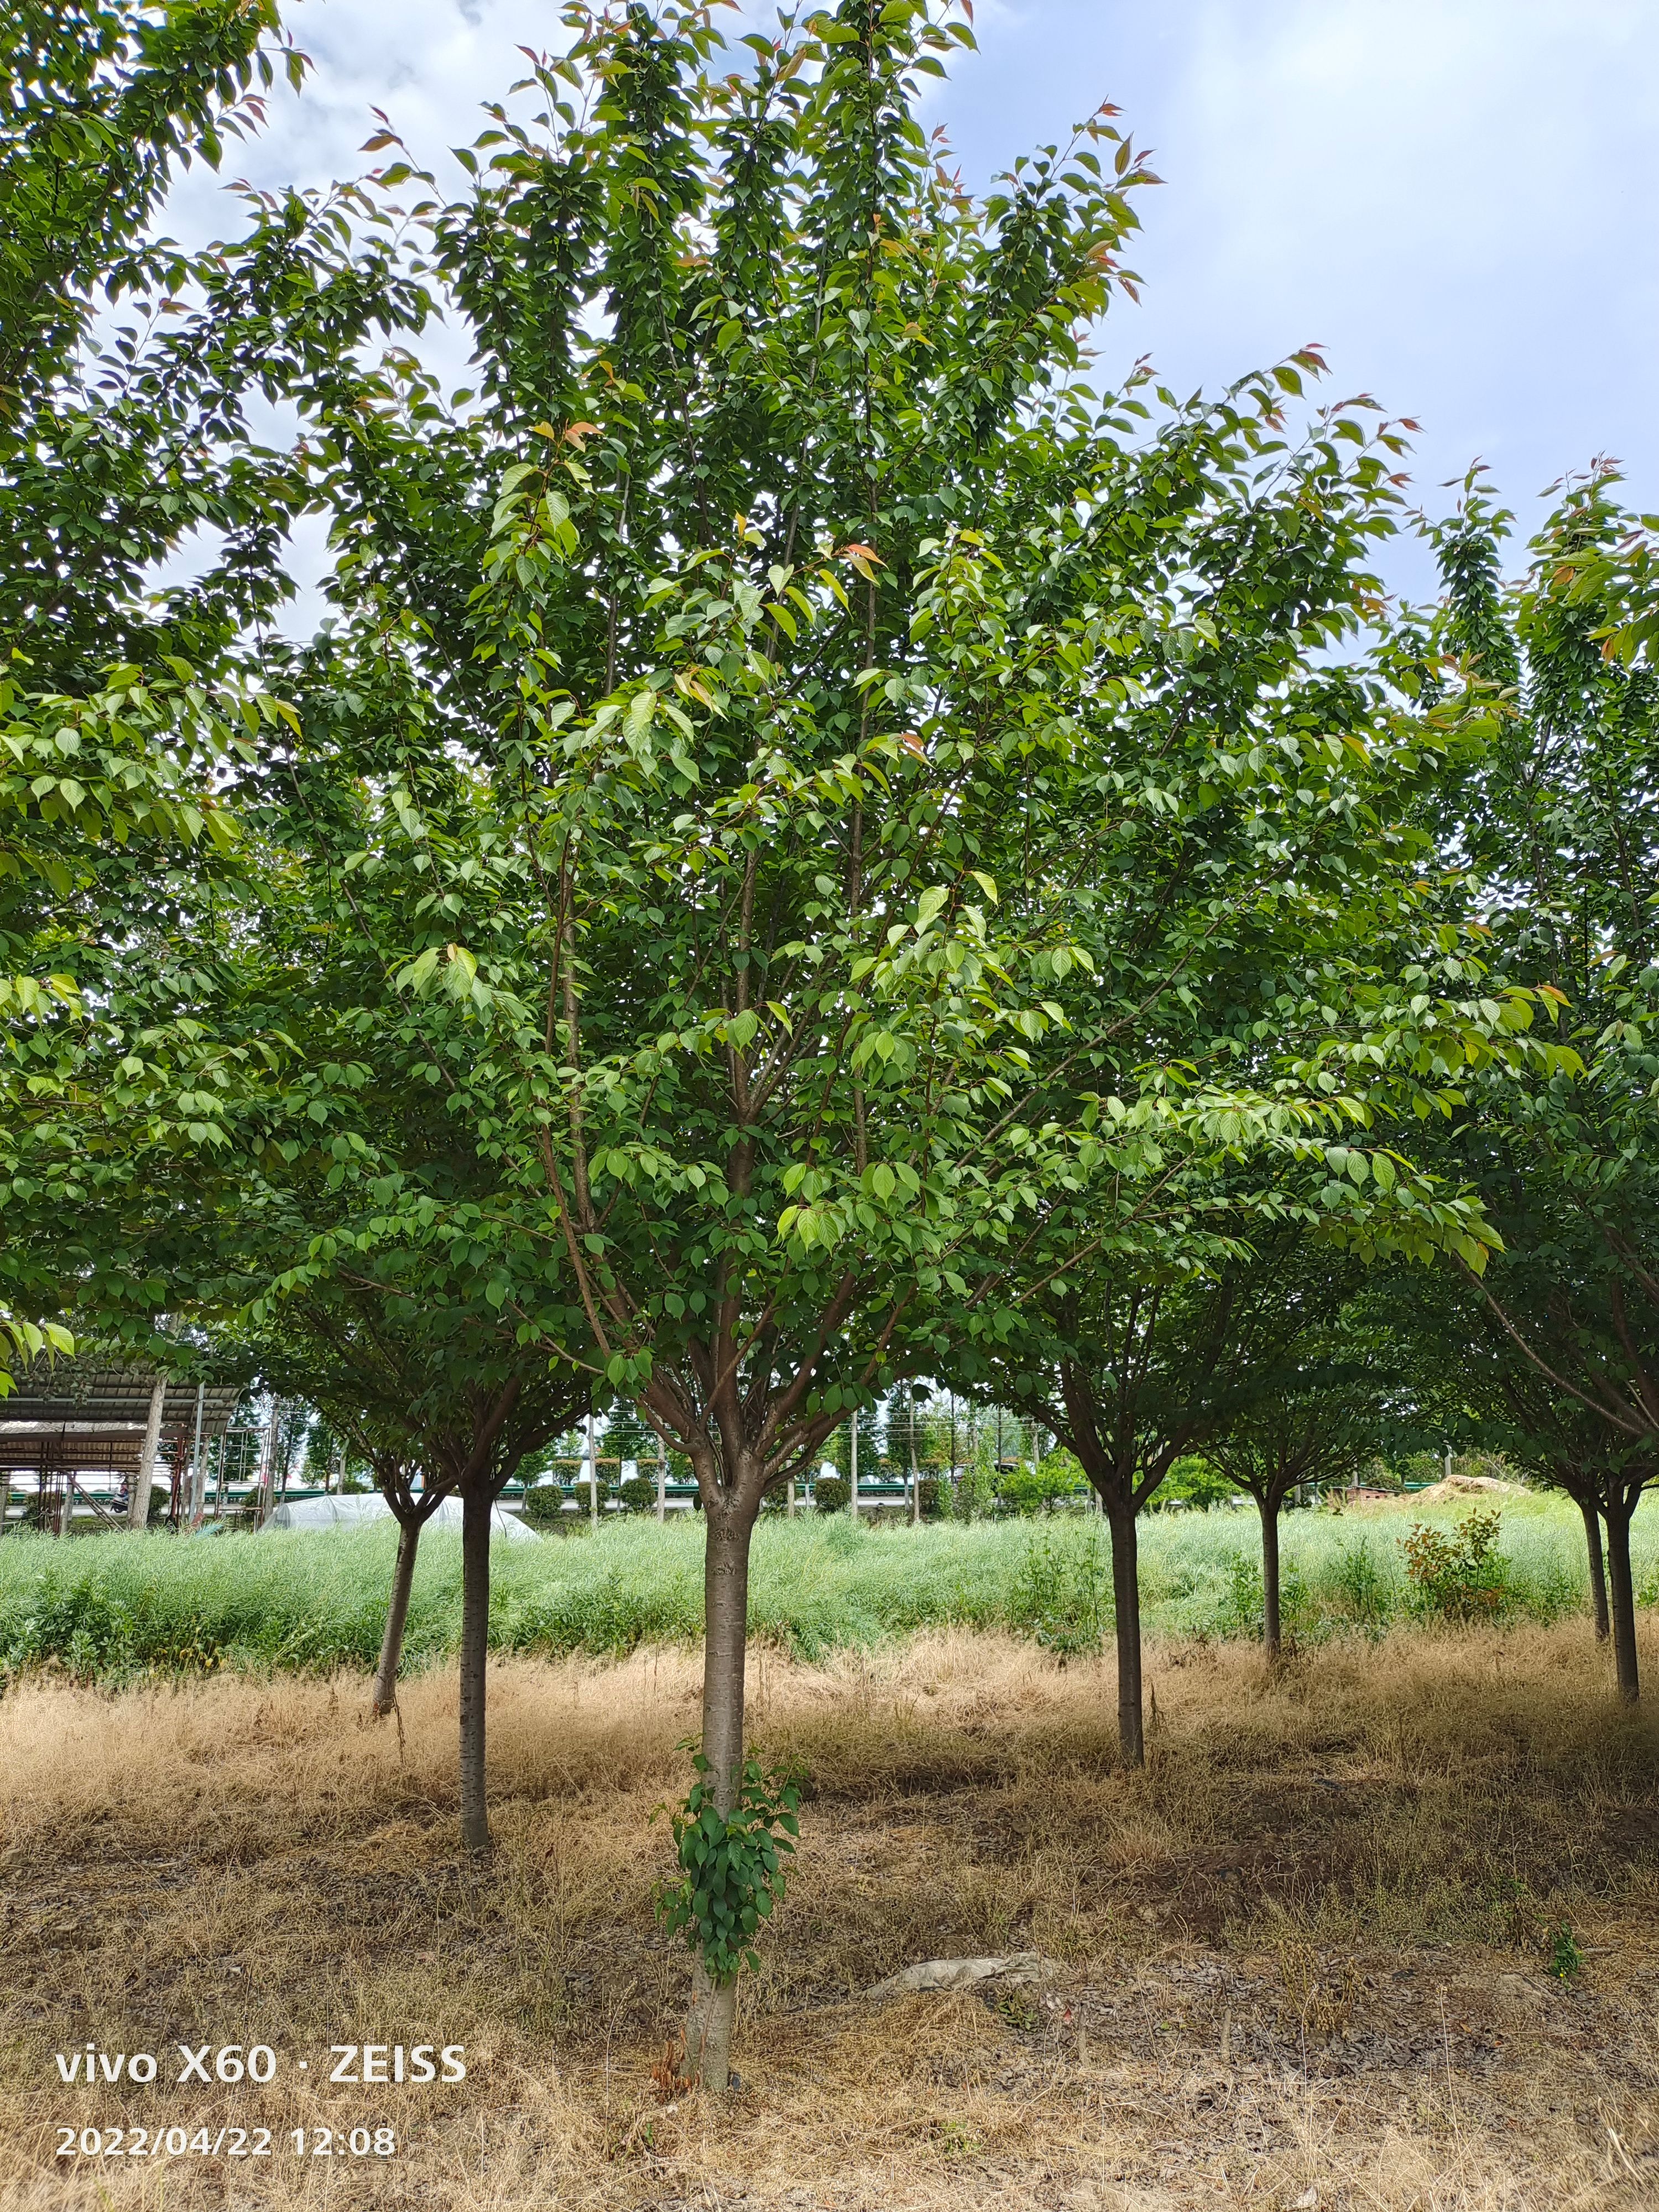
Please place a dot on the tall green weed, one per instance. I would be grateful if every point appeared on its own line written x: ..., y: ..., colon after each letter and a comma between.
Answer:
x: 112, y: 1608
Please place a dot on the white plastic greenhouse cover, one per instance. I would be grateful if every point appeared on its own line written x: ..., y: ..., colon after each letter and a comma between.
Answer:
x: 329, y: 1512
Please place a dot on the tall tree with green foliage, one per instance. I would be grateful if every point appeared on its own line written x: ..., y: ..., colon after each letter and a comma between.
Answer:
x: 1557, y: 814
x: 1185, y: 1328
x: 809, y: 823
x: 788, y: 756
x: 441, y: 1401
x: 125, y: 370
x: 1313, y: 1414
x: 97, y: 107
x: 595, y: 714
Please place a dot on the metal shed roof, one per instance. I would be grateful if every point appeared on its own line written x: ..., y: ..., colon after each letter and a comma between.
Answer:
x: 80, y: 1413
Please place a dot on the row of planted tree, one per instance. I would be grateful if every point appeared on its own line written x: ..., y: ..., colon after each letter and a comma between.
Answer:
x: 819, y: 843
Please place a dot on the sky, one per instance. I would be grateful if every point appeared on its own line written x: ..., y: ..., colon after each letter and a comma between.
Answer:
x: 1455, y: 198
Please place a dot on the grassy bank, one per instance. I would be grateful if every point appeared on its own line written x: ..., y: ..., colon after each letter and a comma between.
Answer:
x: 108, y: 1606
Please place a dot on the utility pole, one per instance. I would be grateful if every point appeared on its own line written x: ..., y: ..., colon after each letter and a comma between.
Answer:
x: 662, y: 1481
x: 285, y: 1444
x: 915, y: 1472
x: 592, y: 1477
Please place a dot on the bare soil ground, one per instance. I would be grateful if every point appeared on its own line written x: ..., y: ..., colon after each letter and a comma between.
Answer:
x: 1303, y: 1960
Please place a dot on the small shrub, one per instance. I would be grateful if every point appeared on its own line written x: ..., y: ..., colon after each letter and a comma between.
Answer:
x: 1457, y: 1575
x: 1193, y: 1481
x: 1364, y: 1585
x: 831, y: 1494
x: 1064, y: 1595
x: 732, y: 1870
x: 1515, y: 1915
x: 1565, y: 1957
x: 932, y: 1499
x: 1028, y: 1489
x: 543, y: 1502
x: 1242, y: 1608
x: 974, y: 1494
x: 1020, y: 1491
x: 638, y: 1494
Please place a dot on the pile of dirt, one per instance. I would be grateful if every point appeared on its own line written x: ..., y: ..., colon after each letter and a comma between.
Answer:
x: 1451, y: 1488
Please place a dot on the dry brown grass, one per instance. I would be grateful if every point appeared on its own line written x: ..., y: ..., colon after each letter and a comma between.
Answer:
x: 1302, y: 1952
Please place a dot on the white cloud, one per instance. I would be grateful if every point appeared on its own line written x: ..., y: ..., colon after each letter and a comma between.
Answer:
x: 1458, y: 197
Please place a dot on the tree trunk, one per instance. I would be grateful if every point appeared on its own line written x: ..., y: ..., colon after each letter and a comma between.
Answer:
x: 1598, y: 1575
x: 725, y: 1634
x: 475, y: 1646
x: 1622, y: 1598
x: 1272, y: 1641
x: 1125, y: 1598
x: 397, y: 1613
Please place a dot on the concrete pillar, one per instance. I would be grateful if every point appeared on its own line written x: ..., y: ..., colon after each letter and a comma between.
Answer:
x: 138, y: 1505
x: 197, y: 1470
x: 263, y: 1499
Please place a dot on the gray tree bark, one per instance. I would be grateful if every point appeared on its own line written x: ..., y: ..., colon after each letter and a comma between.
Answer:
x: 475, y: 1507
x: 725, y: 1634
x: 1123, y: 1522
x: 1598, y: 1573
x: 1272, y: 1639
x: 1622, y: 1595
x: 391, y: 1644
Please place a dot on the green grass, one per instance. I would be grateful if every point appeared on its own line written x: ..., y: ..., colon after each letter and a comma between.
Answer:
x: 110, y: 1606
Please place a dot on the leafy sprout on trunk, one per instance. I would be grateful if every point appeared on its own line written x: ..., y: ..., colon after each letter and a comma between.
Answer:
x: 733, y: 1863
